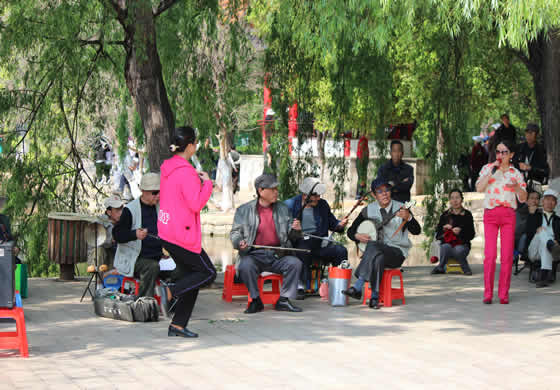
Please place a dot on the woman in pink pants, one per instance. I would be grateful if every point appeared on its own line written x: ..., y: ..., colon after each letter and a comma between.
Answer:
x: 501, y: 184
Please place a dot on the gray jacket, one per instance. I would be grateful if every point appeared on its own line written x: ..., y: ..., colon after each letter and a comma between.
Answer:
x: 246, y: 222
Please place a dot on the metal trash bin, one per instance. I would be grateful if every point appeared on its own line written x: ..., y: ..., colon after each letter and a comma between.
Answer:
x: 339, y: 279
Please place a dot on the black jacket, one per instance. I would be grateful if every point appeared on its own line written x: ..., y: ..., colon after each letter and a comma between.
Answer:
x: 464, y: 220
x: 534, y: 221
x: 397, y: 175
x: 537, y: 160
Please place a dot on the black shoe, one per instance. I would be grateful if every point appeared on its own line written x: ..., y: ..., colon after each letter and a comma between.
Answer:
x: 437, y: 271
x: 284, y: 304
x: 184, y: 332
x: 300, y: 294
x: 374, y: 304
x: 255, y: 306
x: 467, y: 272
x: 543, y: 278
x: 352, y: 293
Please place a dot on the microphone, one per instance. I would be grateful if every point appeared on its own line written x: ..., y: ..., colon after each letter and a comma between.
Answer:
x: 495, y: 168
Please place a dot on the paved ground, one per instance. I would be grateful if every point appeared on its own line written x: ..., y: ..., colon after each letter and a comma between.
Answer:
x: 443, y: 338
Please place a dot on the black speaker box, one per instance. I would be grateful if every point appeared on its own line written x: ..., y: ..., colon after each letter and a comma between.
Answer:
x: 7, y: 273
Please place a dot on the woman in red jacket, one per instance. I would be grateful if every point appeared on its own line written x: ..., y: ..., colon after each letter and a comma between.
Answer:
x: 183, y: 193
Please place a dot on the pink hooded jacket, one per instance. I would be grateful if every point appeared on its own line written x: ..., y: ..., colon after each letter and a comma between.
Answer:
x: 181, y: 199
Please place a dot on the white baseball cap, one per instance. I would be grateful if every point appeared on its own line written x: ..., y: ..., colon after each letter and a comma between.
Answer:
x: 312, y: 184
x: 551, y: 192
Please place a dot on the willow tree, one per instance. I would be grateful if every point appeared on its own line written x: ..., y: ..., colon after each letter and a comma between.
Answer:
x: 45, y: 34
x: 528, y: 29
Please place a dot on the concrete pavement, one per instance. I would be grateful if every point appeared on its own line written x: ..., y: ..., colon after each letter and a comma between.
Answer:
x: 443, y: 338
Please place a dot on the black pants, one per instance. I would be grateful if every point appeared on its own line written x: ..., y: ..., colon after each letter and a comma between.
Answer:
x: 375, y: 259
x: 331, y: 254
x: 197, y: 271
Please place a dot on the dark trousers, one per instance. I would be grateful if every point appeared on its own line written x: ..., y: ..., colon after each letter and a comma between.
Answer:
x: 197, y: 271
x: 262, y: 260
x: 331, y: 254
x: 375, y: 259
x: 147, y: 271
x: 459, y: 253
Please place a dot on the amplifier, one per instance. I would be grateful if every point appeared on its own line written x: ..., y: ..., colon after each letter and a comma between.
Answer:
x: 7, y: 271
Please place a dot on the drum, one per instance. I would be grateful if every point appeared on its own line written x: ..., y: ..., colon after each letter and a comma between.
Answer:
x: 367, y: 227
x: 66, y: 241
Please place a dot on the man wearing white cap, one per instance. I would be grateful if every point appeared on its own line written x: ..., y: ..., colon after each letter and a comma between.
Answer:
x: 543, y: 233
x: 313, y: 215
x: 137, y: 228
x: 113, y: 210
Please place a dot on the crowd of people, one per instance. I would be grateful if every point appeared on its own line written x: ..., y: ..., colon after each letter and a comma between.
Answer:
x: 285, y: 237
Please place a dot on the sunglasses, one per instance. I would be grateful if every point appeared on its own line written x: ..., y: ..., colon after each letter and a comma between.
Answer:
x: 154, y: 193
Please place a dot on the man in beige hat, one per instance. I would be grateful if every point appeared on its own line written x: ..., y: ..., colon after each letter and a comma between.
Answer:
x: 137, y: 228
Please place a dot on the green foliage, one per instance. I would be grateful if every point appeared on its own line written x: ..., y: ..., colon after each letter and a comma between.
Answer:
x: 122, y: 133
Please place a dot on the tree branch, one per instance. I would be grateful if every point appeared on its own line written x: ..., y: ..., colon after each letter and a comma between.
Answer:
x: 84, y: 42
x: 163, y: 6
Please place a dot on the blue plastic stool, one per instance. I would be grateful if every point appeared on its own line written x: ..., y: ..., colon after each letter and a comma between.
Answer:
x: 113, y: 281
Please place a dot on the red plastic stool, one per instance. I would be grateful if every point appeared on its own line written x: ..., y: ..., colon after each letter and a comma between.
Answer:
x: 269, y: 297
x: 387, y: 293
x: 17, y: 339
x: 232, y: 289
x: 128, y: 279
x: 136, y: 283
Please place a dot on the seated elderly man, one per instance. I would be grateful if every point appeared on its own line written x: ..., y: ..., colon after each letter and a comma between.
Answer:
x: 543, y: 233
x: 138, y: 248
x: 265, y: 222
x: 390, y: 249
x: 312, y: 215
x: 113, y: 210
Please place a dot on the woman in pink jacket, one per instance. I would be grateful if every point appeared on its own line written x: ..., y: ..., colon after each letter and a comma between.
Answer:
x: 183, y: 193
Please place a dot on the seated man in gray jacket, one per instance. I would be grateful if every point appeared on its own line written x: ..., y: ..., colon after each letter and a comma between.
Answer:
x: 265, y: 222
x: 392, y: 244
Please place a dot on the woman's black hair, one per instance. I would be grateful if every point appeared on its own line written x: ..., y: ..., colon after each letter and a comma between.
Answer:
x: 182, y: 136
x: 456, y: 190
x: 508, y: 144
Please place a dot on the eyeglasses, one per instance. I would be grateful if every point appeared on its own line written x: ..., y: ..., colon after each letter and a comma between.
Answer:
x: 154, y: 193
x: 382, y: 190
x: 502, y: 151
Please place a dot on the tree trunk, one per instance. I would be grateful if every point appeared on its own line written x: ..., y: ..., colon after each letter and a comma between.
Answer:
x: 544, y: 65
x: 144, y: 79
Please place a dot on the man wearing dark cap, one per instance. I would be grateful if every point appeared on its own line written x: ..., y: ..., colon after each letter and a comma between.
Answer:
x: 530, y: 159
x: 312, y: 215
x: 392, y: 244
x: 265, y: 222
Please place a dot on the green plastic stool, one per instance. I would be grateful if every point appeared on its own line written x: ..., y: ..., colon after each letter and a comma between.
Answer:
x: 21, y: 279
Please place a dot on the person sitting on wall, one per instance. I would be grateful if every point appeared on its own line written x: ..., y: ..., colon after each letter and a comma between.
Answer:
x: 313, y: 215
x: 455, y: 231
x: 543, y: 233
x: 521, y: 216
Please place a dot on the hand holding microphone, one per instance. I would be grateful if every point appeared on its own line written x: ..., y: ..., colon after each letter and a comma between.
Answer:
x: 497, y: 164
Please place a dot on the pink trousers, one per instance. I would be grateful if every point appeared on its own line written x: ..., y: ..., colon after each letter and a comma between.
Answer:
x: 502, y: 219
